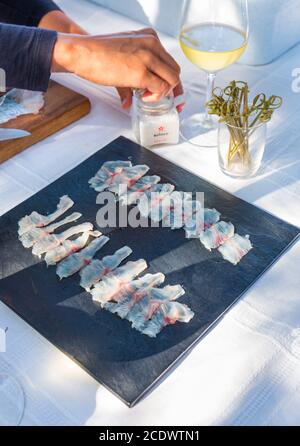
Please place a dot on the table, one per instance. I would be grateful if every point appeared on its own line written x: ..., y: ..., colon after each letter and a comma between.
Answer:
x: 247, y: 370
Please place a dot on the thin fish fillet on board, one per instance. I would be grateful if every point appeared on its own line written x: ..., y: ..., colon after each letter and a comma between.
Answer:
x: 194, y: 226
x: 106, y: 174
x: 97, y: 269
x: 235, y: 248
x: 35, y: 234
x: 216, y: 235
x: 112, y: 285
x: 132, y: 194
x: 36, y: 220
x: 144, y: 310
x: 133, y: 292
x: 69, y: 247
x: 51, y: 241
x: 168, y: 313
x: 75, y: 262
x: 151, y: 203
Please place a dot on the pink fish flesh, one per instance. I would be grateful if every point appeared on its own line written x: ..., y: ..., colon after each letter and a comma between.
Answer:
x: 195, y: 225
x: 97, y: 269
x: 127, y: 178
x: 168, y: 313
x: 235, y: 248
x: 132, y: 194
x: 35, y: 234
x: 51, y: 241
x: 133, y: 293
x: 144, y: 310
x: 216, y: 235
x: 107, y: 173
x: 151, y: 204
x: 36, y: 220
x: 75, y: 262
x: 69, y: 247
x: 111, y: 286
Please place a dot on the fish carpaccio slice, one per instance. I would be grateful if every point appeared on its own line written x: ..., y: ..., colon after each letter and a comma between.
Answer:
x: 113, y: 283
x: 107, y: 173
x: 69, y: 247
x: 35, y: 234
x: 168, y: 313
x: 216, y: 235
x: 75, y: 262
x: 51, y: 241
x: 181, y: 208
x: 235, y: 248
x: 97, y: 269
x: 151, y: 204
x: 128, y: 177
x: 144, y: 310
x: 133, y: 193
x: 133, y: 293
x: 195, y: 225
x: 36, y: 220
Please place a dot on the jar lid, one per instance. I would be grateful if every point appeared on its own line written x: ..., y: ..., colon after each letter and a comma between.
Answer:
x: 164, y: 104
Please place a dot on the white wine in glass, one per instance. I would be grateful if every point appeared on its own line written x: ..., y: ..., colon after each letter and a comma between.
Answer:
x: 213, y: 37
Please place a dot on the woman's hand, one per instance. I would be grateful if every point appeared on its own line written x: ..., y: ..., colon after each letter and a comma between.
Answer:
x: 135, y: 59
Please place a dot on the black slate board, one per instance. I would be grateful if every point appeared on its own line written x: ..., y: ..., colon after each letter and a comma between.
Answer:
x: 126, y: 362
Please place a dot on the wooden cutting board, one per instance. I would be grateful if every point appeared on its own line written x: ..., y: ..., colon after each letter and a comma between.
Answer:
x: 62, y: 107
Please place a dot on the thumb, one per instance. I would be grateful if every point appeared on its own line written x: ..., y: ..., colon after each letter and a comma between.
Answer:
x: 125, y: 96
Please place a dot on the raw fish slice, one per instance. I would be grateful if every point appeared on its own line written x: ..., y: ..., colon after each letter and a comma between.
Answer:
x: 167, y: 314
x: 128, y: 177
x: 194, y: 226
x: 79, y: 260
x: 69, y: 247
x: 36, y: 220
x: 181, y: 209
x: 35, y: 234
x: 97, y: 269
x: 151, y: 202
x: 216, y: 235
x: 132, y: 194
x: 51, y: 241
x: 235, y: 248
x: 113, y: 283
x: 146, y: 307
x: 107, y: 173
x: 133, y: 293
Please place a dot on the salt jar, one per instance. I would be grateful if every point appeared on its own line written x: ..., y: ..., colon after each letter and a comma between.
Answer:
x: 155, y: 123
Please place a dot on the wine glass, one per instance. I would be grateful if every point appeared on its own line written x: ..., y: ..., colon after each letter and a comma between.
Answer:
x: 213, y: 36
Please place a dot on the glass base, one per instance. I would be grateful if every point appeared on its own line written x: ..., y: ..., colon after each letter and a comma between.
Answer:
x: 200, y: 131
x: 12, y: 401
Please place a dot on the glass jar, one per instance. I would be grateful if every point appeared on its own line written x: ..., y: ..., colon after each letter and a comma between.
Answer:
x: 241, y: 149
x: 155, y: 123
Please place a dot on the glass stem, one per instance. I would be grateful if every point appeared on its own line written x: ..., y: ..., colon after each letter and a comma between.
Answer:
x: 209, y: 91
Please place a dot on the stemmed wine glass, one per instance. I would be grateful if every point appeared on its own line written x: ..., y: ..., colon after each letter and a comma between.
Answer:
x: 213, y: 36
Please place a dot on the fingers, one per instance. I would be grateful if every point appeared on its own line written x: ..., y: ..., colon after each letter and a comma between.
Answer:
x: 158, y: 67
x: 125, y: 96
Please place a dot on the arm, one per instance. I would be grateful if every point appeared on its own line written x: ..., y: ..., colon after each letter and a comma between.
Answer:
x: 25, y: 12
x: 26, y: 56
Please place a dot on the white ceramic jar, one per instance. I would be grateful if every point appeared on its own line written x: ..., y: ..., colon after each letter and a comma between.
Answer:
x: 155, y: 123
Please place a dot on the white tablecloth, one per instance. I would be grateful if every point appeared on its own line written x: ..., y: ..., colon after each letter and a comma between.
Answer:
x: 246, y: 370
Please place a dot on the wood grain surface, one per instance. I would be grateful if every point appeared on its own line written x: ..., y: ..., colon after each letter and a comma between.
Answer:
x: 62, y: 107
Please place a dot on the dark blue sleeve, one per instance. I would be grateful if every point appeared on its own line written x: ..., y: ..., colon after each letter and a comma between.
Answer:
x: 25, y: 12
x: 26, y: 55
